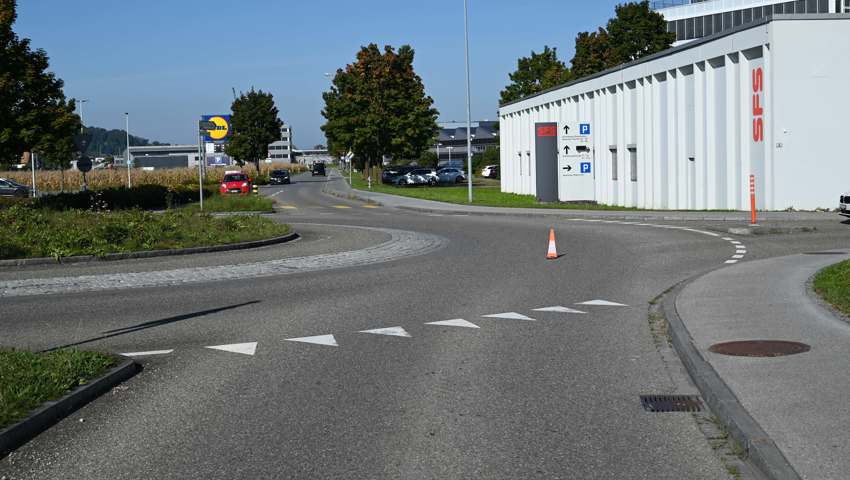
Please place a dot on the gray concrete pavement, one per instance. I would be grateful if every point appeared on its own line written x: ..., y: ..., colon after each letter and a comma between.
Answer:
x: 556, y: 397
x: 799, y: 400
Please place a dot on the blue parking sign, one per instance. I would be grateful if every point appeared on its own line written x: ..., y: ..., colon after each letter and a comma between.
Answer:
x: 584, y: 129
x: 585, y: 167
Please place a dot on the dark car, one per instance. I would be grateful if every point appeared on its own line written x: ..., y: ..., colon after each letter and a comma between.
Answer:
x: 318, y: 169
x: 9, y: 188
x: 494, y: 172
x: 279, y: 177
x: 391, y: 174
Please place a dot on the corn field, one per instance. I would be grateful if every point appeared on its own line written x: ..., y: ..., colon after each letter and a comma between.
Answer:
x: 72, y: 180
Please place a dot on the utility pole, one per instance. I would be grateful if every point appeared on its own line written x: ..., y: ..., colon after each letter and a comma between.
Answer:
x: 33, y: 158
x: 82, y: 121
x: 129, y: 179
x: 468, y: 114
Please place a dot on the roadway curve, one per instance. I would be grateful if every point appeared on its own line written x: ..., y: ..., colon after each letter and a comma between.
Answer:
x: 551, y: 398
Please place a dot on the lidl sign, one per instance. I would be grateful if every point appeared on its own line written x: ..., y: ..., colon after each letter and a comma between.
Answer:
x: 221, y: 132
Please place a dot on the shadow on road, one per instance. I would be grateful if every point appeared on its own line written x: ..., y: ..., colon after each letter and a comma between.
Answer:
x: 154, y: 323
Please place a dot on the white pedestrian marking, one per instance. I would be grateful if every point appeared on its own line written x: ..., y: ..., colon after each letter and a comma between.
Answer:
x: 558, y: 310
x: 731, y: 261
x: 392, y: 331
x: 328, y: 340
x: 602, y: 303
x: 735, y: 242
x: 509, y: 316
x: 146, y: 354
x: 738, y: 256
x: 459, y: 322
x: 727, y: 239
x: 243, y: 348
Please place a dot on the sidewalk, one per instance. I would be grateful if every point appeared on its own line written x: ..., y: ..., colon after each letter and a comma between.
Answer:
x: 341, y: 187
x: 800, y: 401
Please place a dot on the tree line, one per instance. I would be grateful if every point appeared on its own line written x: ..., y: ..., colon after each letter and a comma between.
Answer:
x: 636, y: 31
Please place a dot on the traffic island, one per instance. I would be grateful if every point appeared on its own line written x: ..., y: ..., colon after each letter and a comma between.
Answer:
x: 37, y: 390
x: 36, y: 236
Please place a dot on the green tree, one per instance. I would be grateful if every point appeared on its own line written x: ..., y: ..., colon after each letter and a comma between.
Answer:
x: 637, y: 31
x: 36, y: 116
x: 255, y: 125
x: 377, y: 106
x: 593, y: 53
x: 428, y: 159
x: 536, y: 73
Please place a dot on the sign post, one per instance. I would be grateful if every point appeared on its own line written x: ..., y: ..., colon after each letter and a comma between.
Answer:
x: 204, y: 127
x: 752, y: 200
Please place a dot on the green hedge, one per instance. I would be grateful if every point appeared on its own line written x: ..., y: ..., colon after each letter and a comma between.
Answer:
x: 144, y: 197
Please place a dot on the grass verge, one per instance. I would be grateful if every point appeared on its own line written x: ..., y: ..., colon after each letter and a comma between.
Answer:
x: 487, y: 195
x: 833, y: 285
x: 235, y: 203
x: 29, y: 232
x: 28, y: 379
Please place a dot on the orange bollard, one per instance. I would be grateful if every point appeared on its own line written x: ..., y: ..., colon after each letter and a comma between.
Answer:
x: 553, y: 251
x: 752, y: 200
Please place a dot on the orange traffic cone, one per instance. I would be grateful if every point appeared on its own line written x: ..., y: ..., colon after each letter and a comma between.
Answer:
x: 553, y: 252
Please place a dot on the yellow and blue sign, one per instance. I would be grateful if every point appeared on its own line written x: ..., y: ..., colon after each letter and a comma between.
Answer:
x: 222, y: 128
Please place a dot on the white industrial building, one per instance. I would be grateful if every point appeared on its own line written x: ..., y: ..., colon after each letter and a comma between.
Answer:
x: 686, y: 128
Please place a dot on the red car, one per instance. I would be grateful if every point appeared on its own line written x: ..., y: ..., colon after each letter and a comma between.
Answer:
x: 235, y: 182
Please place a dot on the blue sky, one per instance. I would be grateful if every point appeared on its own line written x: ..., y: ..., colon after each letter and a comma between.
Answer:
x: 169, y: 61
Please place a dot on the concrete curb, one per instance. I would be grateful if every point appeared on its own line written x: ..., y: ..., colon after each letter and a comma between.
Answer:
x: 51, y: 413
x: 149, y: 253
x: 762, y: 451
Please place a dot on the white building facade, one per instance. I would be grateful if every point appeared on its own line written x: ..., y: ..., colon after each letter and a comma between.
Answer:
x: 685, y: 129
x: 281, y: 150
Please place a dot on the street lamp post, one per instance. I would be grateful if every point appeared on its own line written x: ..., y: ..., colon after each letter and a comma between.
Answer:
x: 129, y: 179
x: 468, y: 113
x: 450, y: 148
x: 82, y: 121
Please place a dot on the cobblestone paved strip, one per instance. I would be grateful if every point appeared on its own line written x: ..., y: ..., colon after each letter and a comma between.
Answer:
x: 401, y: 244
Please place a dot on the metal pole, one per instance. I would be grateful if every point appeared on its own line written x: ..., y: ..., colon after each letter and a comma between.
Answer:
x: 438, y: 154
x: 468, y: 113
x: 129, y: 179
x: 200, y: 171
x: 82, y: 121
x: 32, y: 164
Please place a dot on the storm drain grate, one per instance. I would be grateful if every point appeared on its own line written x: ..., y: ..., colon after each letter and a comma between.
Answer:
x: 671, y: 403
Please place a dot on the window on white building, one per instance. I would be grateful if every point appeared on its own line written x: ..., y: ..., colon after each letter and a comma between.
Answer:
x: 633, y: 163
x: 614, y: 175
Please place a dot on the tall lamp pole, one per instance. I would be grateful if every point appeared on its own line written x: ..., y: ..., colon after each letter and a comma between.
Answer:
x: 129, y: 179
x: 468, y: 114
x: 82, y: 121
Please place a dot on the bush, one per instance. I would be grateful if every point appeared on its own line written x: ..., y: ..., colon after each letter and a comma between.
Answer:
x: 144, y: 197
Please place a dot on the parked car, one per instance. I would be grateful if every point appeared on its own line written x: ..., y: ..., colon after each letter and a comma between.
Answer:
x: 488, y: 171
x: 318, y: 169
x: 235, y: 182
x: 391, y: 174
x: 279, y: 177
x: 10, y: 188
x: 420, y: 176
x: 494, y: 172
x: 844, y: 203
x: 450, y: 175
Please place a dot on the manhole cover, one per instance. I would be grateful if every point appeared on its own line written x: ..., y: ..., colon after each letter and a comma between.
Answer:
x: 671, y: 403
x: 760, y: 348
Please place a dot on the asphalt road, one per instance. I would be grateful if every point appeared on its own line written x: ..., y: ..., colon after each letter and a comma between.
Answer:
x: 553, y: 397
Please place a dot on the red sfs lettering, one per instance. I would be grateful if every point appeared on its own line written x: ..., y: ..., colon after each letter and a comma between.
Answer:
x: 547, y: 131
x: 758, y: 107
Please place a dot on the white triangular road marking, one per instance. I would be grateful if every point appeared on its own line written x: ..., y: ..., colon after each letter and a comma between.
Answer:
x: 328, y: 340
x: 509, y: 316
x: 602, y: 303
x: 243, y: 348
x: 558, y: 310
x: 459, y: 322
x: 392, y: 331
x: 146, y: 354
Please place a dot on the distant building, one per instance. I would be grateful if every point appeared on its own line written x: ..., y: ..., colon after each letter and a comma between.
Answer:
x: 281, y: 150
x: 451, y: 142
x: 693, y: 19
x: 160, y: 157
